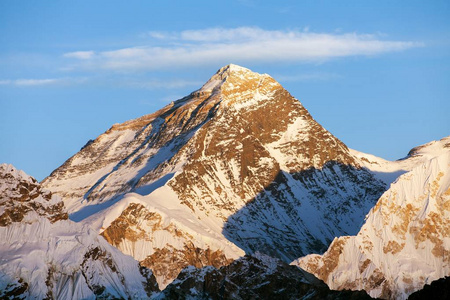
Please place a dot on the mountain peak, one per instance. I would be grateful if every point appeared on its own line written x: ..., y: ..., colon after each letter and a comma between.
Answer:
x: 232, y: 68
x: 231, y: 76
x: 240, y: 87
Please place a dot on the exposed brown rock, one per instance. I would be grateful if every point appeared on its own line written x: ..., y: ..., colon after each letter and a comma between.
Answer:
x: 168, y: 262
x: 126, y: 226
x: 364, y: 265
x: 164, y: 262
x: 331, y: 258
x: 393, y: 247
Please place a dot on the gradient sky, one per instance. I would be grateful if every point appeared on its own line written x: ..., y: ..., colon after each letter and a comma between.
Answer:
x: 376, y: 74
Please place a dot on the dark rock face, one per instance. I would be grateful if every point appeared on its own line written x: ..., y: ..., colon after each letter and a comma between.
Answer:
x: 15, y: 289
x: 250, y: 277
x: 437, y: 290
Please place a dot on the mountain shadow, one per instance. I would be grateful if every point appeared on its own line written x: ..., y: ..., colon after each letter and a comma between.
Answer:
x: 301, y: 213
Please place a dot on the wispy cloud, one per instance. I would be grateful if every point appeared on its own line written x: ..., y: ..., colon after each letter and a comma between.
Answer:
x: 159, y: 84
x: 35, y: 82
x: 5, y: 82
x: 135, y: 83
x: 234, y: 35
x: 308, y: 77
x: 42, y: 82
x: 217, y: 46
x: 80, y: 54
x: 29, y: 82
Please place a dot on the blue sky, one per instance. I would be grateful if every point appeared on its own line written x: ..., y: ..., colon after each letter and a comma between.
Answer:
x: 376, y: 74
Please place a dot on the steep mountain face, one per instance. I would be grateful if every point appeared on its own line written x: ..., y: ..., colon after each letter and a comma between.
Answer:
x: 236, y: 167
x: 44, y: 255
x: 252, y: 277
x: 405, y: 242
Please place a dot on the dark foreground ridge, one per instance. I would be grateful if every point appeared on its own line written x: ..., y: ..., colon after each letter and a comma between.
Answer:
x: 253, y: 277
x: 437, y: 290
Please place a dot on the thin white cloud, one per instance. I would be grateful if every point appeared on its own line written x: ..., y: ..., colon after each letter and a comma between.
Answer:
x: 160, y: 84
x: 34, y: 82
x: 80, y: 54
x: 29, y: 82
x: 221, y: 34
x: 42, y: 82
x: 157, y: 35
x: 217, y: 46
x: 5, y: 82
x: 218, y: 34
x: 308, y: 77
x: 151, y: 84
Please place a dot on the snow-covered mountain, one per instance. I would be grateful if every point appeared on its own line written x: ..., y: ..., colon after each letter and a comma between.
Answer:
x: 43, y: 255
x: 405, y: 242
x: 236, y: 167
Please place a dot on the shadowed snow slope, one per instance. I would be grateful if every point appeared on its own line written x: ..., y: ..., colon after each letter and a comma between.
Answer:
x: 44, y: 255
x: 405, y: 242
